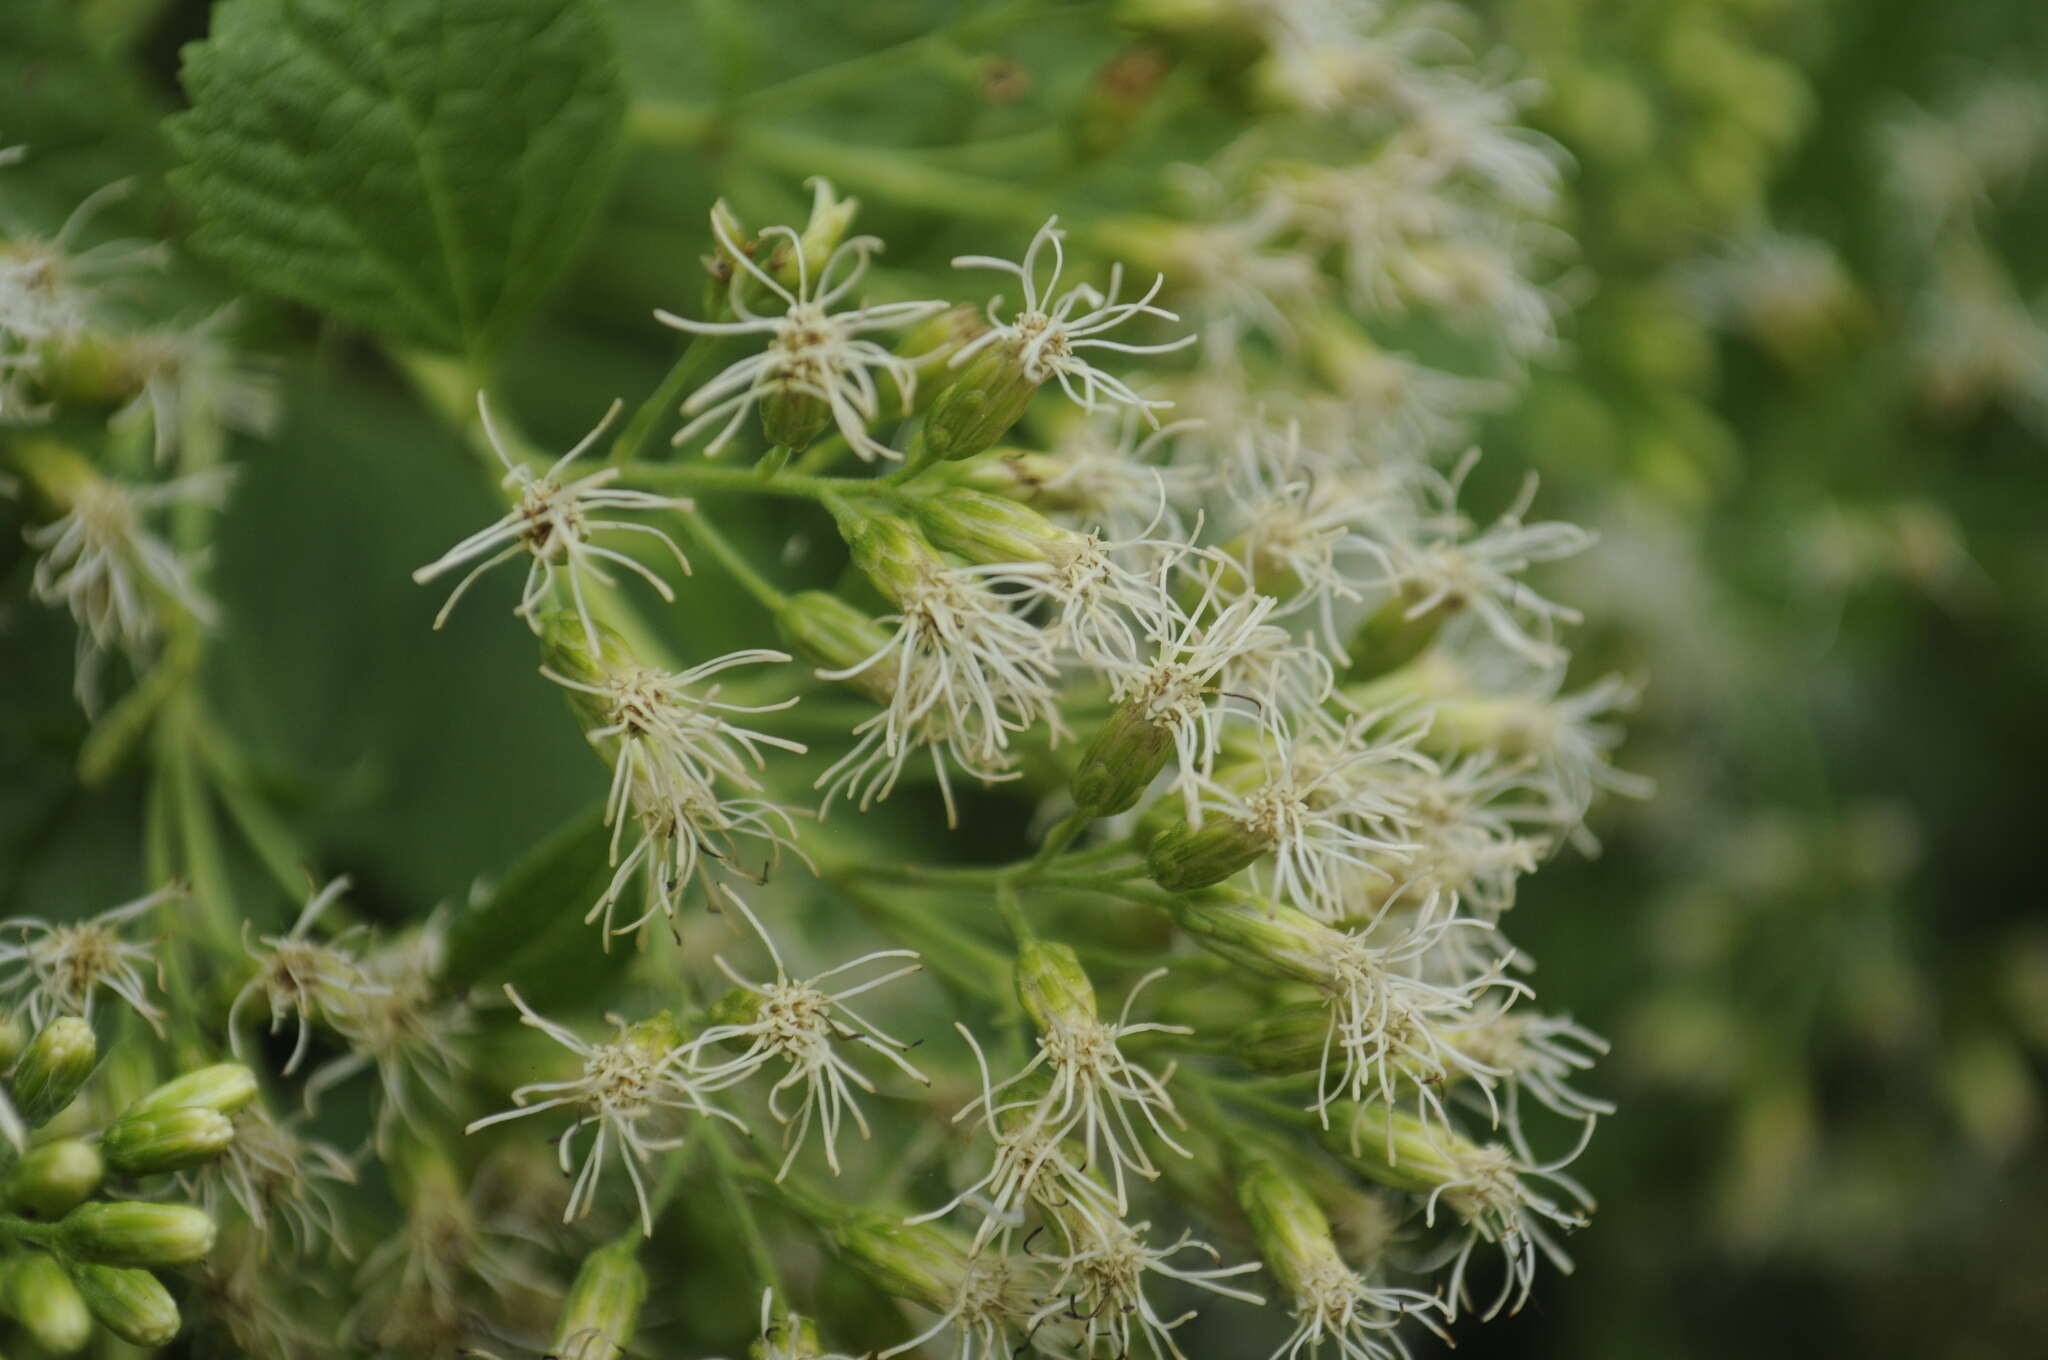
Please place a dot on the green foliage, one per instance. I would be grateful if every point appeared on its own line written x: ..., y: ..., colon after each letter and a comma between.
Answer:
x: 421, y: 167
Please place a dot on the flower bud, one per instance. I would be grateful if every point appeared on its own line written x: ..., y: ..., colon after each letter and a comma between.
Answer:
x: 225, y: 1088
x: 603, y: 1307
x: 152, y: 1144
x: 932, y: 343
x: 1050, y: 982
x: 132, y: 1304
x: 1121, y: 763
x: 1290, y: 1227
x: 986, y: 397
x: 1285, y: 1040
x: 893, y: 553
x: 1389, y: 639
x: 1183, y: 858
x: 52, y: 1068
x: 133, y: 1233
x: 1397, y: 1149
x: 1268, y: 938
x: 984, y: 528
x: 792, y: 417
x: 917, y: 1262
x: 50, y: 1181
x: 831, y: 215
x: 838, y: 637
x: 37, y: 1294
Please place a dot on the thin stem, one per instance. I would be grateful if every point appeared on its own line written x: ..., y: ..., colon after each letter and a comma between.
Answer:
x: 1057, y: 839
x: 696, y: 356
x: 696, y: 476
x: 734, y: 561
x: 759, y: 1256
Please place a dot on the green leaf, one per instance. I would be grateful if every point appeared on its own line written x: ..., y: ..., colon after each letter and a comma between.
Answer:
x: 421, y: 167
x: 531, y: 931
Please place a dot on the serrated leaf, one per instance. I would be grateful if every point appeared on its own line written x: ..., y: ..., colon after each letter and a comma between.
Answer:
x: 421, y: 167
x: 531, y: 933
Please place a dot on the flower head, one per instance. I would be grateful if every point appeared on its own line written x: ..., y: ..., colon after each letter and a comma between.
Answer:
x: 818, y: 366
x: 1100, y: 1280
x: 101, y: 561
x: 300, y: 976
x: 1047, y: 336
x: 624, y: 1086
x: 59, y: 969
x: 809, y: 1028
x: 553, y: 524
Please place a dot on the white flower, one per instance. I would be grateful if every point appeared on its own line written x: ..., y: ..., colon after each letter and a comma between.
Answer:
x: 1394, y: 1031
x: 1398, y: 406
x: 1047, y: 335
x: 1445, y: 562
x: 61, y: 968
x: 807, y: 1027
x: 1540, y: 1054
x: 812, y: 352
x: 1106, y: 471
x: 1306, y: 518
x: 1176, y: 688
x: 101, y: 561
x: 994, y: 1295
x: 674, y: 744
x: 1030, y: 1166
x: 672, y: 720
x: 966, y: 671
x: 1092, y: 1089
x: 1326, y: 807
x: 553, y: 524
x: 1513, y: 1204
x: 1336, y: 1305
x: 624, y: 1085
x: 279, y: 1181
x: 301, y: 977
x: 681, y: 821
x: 47, y: 292
x: 404, y: 1026
x: 1101, y: 1282
x: 195, y: 384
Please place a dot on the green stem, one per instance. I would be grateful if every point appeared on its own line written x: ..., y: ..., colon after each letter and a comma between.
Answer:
x: 734, y: 561
x: 759, y: 1256
x: 1058, y: 839
x: 682, y: 375
x: 697, y: 476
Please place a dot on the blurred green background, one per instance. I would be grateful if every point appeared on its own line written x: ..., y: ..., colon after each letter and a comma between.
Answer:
x: 1821, y: 951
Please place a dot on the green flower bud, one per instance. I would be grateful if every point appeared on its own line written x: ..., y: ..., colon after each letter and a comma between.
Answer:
x: 132, y: 1304
x: 792, y: 417
x: 917, y: 1262
x: 1183, y: 858
x: 1268, y: 938
x: 932, y: 344
x: 50, y: 1181
x: 52, y: 1068
x: 1285, y: 1040
x: 151, y: 1144
x: 1389, y: 639
x: 37, y: 1294
x: 838, y: 637
x: 1050, y: 982
x: 987, y: 396
x: 1397, y: 1149
x: 831, y: 215
x: 984, y: 528
x: 893, y: 553
x: 1121, y: 763
x: 1290, y: 1227
x: 132, y: 1233
x: 225, y: 1088
x: 603, y: 1307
